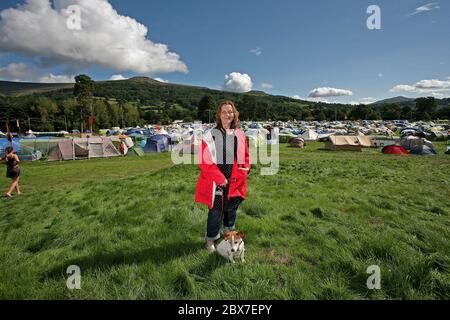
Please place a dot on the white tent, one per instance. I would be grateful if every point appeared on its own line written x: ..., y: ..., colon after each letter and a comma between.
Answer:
x: 310, y: 135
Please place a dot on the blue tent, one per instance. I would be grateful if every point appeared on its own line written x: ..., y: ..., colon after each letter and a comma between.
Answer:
x: 157, y: 143
x: 4, y: 143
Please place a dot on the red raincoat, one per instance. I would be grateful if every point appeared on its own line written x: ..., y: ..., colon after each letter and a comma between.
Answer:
x: 210, y: 175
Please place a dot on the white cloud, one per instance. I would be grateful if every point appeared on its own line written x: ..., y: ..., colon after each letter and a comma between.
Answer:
x: 20, y: 72
x: 161, y: 80
x: 51, y: 78
x: 237, y: 82
x: 17, y: 72
x: 329, y: 92
x: 266, y: 85
x: 116, y: 77
x: 106, y: 38
x: 433, y: 84
x: 439, y: 95
x: 424, y: 86
x: 256, y: 51
x: 311, y: 99
x: 426, y: 8
x: 367, y: 100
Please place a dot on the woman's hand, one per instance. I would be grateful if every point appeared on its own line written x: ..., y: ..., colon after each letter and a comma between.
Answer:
x: 224, y: 184
x: 244, y: 169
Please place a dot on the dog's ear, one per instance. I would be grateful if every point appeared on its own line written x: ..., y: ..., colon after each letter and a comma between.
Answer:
x: 226, y: 236
x: 241, y: 235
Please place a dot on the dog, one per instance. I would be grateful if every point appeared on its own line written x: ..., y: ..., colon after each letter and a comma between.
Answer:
x: 232, y: 246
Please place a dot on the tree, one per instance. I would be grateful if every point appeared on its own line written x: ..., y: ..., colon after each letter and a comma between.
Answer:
x: 131, y: 114
x: 407, y: 113
x: 391, y: 111
x: 444, y: 113
x: 83, y: 91
x: 426, y: 108
x: 206, y: 108
x: 46, y: 108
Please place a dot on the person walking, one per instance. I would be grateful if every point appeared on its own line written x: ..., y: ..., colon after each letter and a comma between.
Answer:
x: 12, y: 171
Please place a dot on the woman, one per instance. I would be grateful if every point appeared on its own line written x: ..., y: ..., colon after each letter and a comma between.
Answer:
x: 224, y: 163
x: 12, y: 171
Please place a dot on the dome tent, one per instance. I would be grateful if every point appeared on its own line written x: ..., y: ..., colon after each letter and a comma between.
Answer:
x: 423, y: 150
x: 393, y: 149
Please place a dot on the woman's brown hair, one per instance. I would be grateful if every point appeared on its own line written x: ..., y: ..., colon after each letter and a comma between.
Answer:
x: 8, y: 150
x: 235, y: 122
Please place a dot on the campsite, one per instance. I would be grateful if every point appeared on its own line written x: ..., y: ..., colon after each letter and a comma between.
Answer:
x: 131, y: 225
x: 333, y: 120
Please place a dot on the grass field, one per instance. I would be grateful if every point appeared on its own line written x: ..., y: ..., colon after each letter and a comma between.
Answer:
x: 132, y: 227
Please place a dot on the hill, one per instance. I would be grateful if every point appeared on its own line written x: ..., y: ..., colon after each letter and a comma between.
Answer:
x: 404, y: 101
x: 399, y: 99
x: 9, y: 88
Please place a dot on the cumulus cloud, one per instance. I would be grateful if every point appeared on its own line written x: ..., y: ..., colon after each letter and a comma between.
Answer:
x: 161, y: 80
x: 256, y: 51
x: 367, y: 100
x: 424, y: 86
x: 297, y: 97
x: 105, y: 38
x: 17, y: 72
x: 426, y: 8
x: 116, y: 77
x: 237, y: 82
x: 51, y: 78
x: 21, y: 72
x: 329, y: 92
x: 266, y: 85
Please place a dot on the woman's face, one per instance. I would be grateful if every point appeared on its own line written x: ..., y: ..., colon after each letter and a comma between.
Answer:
x: 226, y: 115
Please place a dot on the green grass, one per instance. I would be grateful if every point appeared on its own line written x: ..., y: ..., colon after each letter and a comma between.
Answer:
x: 313, y: 229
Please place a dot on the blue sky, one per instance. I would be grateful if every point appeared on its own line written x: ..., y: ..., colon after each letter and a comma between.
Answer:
x: 302, y: 46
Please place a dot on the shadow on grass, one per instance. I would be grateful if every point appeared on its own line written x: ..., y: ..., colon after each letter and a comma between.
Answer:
x: 158, y: 255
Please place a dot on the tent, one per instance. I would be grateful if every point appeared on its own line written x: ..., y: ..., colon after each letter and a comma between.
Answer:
x: 423, y: 150
x: 157, y: 143
x: 117, y: 141
x: 42, y: 144
x: 439, y: 136
x: 310, y: 135
x: 4, y: 143
x: 135, y: 152
x: 410, y: 142
x: 348, y: 143
x: 297, y: 143
x: 286, y: 137
x: 83, y: 148
x: 393, y: 149
x: 256, y: 137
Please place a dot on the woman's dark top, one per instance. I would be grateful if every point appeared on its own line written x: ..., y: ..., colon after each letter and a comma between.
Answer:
x: 225, y: 162
x: 12, y: 167
x: 229, y: 149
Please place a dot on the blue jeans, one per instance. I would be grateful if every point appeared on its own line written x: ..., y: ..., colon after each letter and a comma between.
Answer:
x: 222, y: 213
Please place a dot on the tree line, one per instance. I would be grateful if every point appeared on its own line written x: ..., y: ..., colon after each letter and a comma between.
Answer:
x: 129, y: 104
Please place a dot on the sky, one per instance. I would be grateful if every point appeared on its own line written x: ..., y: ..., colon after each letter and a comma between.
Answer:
x: 321, y: 50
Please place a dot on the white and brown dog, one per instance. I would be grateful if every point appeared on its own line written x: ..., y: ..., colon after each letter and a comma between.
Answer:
x: 232, y: 246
